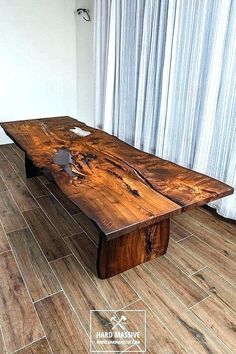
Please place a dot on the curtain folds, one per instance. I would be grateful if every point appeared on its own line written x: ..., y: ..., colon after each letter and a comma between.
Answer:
x: 166, y: 82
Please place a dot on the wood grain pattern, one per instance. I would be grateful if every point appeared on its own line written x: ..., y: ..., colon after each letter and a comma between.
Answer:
x: 17, y: 188
x: 15, y: 160
x: 19, y: 151
x: 2, y: 346
x: 158, y: 335
x: 88, y: 226
x: 223, y: 318
x: 3, y: 187
x: 20, y: 325
x: 115, y: 290
x: 79, y: 288
x: 83, y: 295
x: 166, y: 305
x: 128, y: 251
x: 221, y: 221
x: 20, y: 193
x: 217, y: 287
x: 39, y: 347
x: 48, y: 238
x: 144, y: 208
x: 177, y: 232
x: 213, y: 223
x: 207, y: 255
x: 62, y: 198
x: 59, y: 217
x: 4, y: 245
x: 188, y: 330
x: 209, y: 235
x: 182, y: 259
x: 43, y: 179
x: 36, y: 271
x: 9, y: 213
x: 6, y: 168
x: 63, y: 330
x: 183, y: 287
x: 137, y: 188
x: 13, y: 166
x: 36, y: 187
x: 85, y: 251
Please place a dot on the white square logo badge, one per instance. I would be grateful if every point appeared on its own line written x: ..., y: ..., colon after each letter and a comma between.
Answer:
x: 115, y: 331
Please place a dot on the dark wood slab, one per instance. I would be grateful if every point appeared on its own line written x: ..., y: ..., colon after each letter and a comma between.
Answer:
x: 128, y: 251
x: 119, y: 187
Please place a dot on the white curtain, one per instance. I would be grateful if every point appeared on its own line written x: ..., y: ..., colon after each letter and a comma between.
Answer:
x: 166, y: 81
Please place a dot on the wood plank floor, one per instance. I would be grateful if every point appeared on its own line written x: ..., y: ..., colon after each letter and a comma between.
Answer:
x: 48, y: 286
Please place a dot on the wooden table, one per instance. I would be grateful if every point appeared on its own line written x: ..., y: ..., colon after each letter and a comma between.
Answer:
x: 128, y: 194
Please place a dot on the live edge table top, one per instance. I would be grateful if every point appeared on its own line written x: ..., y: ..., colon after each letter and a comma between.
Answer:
x: 120, y: 188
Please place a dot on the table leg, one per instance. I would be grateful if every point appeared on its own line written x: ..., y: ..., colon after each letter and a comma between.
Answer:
x: 30, y: 169
x: 127, y: 251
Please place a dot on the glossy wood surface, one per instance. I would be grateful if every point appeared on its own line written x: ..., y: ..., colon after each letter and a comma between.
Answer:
x: 127, y: 251
x: 105, y: 173
x: 171, y: 327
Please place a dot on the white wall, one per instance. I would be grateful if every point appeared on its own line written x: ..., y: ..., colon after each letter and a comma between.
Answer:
x: 85, y: 64
x: 37, y: 59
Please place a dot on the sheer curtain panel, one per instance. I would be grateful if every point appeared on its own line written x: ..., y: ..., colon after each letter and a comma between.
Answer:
x: 166, y: 82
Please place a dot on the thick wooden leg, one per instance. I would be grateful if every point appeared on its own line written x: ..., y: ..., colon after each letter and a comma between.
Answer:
x: 30, y: 169
x: 125, y: 252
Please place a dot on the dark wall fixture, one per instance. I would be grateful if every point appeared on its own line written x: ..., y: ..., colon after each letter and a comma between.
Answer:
x: 84, y: 13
